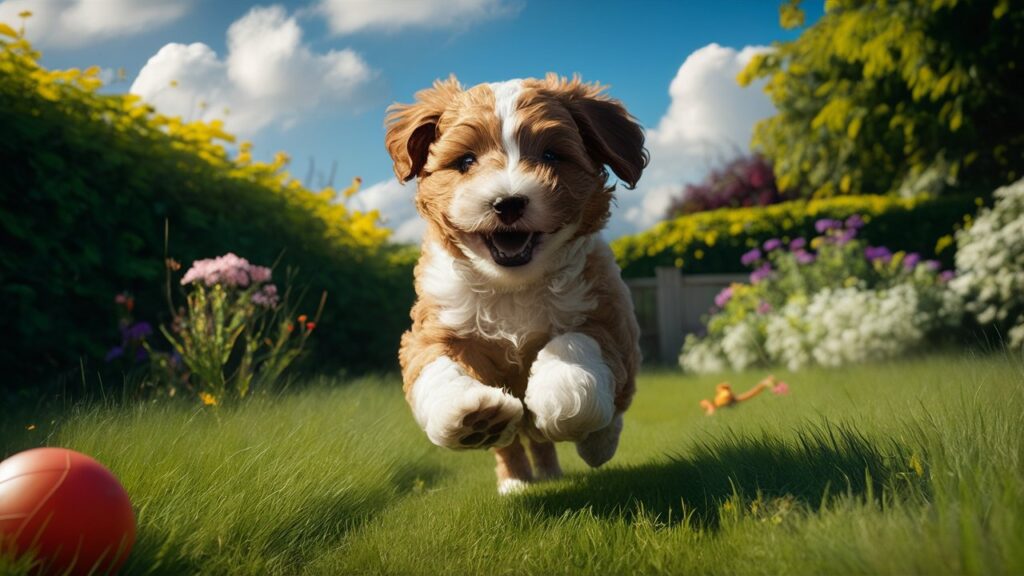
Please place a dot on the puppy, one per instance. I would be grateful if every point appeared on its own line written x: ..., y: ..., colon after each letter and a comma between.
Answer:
x: 522, y: 324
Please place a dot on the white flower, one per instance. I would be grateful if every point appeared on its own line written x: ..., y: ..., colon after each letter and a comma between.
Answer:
x: 990, y: 264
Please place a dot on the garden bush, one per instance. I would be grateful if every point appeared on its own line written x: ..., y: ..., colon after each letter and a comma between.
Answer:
x: 990, y: 264
x: 712, y: 242
x: 744, y: 181
x: 90, y: 181
x: 830, y: 301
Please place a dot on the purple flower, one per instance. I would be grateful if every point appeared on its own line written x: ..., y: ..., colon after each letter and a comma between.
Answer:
x: 826, y: 224
x: 946, y: 276
x: 137, y: 331
x: 764, y: 307
x: 797, y: 243
x: 750, y: 257
x: 114, y: 353
x: 763, y: 272
x: 803, y: 257
x: 772, y: 244
x: 854, y: 222
x: 910, y: 260
x: 874, y: 253
x: 723, y: 297
x: 845, y: 236
x: 266, y: 296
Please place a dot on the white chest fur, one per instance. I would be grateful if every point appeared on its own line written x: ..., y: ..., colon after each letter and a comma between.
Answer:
x: 469, y: 304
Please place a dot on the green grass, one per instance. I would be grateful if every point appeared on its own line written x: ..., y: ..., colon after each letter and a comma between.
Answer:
x: 912, y: 467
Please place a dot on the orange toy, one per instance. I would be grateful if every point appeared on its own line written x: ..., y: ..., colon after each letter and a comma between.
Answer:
x: 724, y: 396
x: 68, y: 509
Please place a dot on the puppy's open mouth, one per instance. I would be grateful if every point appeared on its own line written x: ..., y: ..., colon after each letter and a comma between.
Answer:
x: 511, y: 248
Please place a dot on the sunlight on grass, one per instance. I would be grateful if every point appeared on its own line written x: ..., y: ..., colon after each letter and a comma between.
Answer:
x: 893, y: 468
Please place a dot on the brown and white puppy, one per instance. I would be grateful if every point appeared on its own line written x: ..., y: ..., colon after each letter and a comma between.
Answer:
x: 522, y: 325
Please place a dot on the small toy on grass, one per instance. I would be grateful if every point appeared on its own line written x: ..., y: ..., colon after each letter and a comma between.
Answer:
x: 67, y: 509
x: 724, y: 396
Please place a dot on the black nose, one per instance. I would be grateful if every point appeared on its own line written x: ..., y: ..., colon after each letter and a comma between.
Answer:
x: 511, y: 209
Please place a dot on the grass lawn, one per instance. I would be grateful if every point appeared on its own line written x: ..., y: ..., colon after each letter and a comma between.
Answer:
x: 910, y: 467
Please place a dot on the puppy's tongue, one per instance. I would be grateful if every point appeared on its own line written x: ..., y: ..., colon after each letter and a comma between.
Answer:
x: 511, y: 242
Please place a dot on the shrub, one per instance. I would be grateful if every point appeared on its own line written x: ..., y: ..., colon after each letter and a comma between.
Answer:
x: 831, y: 301
x: 91, y: 181
x: 745, y: 181
x: 712, y: 242
x: 990, y: 264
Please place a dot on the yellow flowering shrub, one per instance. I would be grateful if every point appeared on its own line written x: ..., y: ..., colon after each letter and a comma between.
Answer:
x: 94, y: 178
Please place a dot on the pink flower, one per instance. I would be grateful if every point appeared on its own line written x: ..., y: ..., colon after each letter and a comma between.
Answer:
x: 229, y: 270
x: 780, y: 388
x: 723, y: 297
x: 764, y: 307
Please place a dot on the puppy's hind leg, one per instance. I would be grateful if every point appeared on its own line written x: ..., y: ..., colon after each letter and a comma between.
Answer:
x: 513, y: 468
x: 545, y: 460
x: 599, y: 446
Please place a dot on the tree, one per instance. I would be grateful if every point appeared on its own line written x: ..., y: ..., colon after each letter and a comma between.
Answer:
x: 744, y: 181
x: 896, y: 96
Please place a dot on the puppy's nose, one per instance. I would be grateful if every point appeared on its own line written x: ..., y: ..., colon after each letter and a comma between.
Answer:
x: 510, y: 209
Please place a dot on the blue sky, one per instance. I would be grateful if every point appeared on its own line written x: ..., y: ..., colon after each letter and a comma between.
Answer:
x: 355, y: 57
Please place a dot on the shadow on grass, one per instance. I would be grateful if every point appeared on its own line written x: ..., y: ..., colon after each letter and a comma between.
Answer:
x: 818, y: 464
x: 326, y: 521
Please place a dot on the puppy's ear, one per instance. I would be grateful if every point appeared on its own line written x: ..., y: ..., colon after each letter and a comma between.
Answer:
x: 412, y: 128
x: 612, y: 136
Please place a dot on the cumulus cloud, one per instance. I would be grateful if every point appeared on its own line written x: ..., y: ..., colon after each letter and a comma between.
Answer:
x: 349, y: 16
x: 71, y: 23
x: 396, y: 206
x: 710, y: 119
x: 269, y: 76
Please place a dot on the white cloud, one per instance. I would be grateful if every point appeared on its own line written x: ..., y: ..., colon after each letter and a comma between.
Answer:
x: 268, y: 76
x: 70, y: 23
x: 396, y: 206
x: 709, y: 120
x: 348, y: 16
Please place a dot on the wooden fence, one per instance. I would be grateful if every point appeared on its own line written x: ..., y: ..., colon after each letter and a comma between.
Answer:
x: 672, y: 305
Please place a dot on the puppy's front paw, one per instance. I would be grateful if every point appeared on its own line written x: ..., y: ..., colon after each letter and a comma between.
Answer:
x: 571, y: 392
x: 459, y: 412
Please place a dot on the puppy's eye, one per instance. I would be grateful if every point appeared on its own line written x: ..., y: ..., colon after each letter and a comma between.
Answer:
x: 549, y: 157
x: 465, y: 162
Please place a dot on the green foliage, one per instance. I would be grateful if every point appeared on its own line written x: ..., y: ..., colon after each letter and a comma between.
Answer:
x: 905, y: 95
x: 91, y: 179
x: 712, y: 242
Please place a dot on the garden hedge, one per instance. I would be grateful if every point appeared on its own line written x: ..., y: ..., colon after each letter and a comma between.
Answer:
x: 712, y: 242
x: 89, y: 182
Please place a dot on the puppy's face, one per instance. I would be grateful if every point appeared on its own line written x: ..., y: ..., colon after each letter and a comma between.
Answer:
x: 509, y: 173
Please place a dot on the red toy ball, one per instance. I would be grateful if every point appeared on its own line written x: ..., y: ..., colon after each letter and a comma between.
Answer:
x: 67, y: 508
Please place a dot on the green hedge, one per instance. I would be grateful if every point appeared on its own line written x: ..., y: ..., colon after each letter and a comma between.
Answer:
x: 89, y: 181
x: 712, y: 242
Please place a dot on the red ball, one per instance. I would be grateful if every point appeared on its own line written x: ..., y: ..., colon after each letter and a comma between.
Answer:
x: 67, y: 508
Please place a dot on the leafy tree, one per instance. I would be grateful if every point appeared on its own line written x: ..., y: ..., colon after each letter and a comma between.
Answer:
x: 896, y: 95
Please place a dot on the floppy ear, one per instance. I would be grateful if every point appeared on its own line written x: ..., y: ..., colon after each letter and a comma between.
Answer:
x: 412, y: 128
x: 611, y: 135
